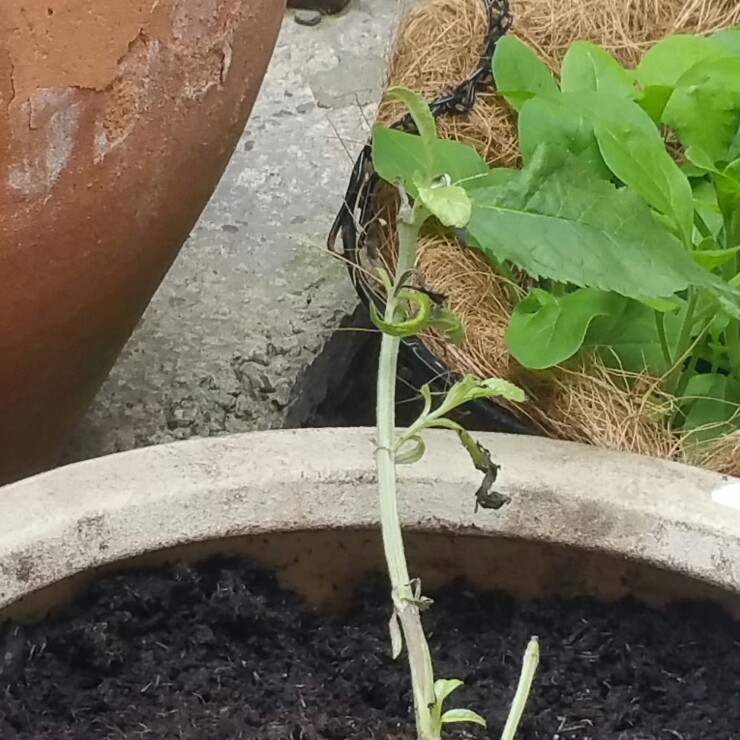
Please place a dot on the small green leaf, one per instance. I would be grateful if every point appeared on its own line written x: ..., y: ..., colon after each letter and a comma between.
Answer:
x: 449, y: 323
x: 546, y: 330
x: 462, y: 715
x: 519, y: 73
x: 401, y: 156
x: 587, y: 66
x: 470, y: 388
x: 419, y: 110
x: 500, y: 388
x: 669, y: 59
x: 710, y: 257
x: 450, y: 204
x: 443, y: 687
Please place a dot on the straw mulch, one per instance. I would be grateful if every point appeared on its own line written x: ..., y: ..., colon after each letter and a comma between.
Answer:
x: 438, y: 45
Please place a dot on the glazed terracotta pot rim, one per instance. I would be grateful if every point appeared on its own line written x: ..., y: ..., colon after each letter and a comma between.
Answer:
x: 90, y: 514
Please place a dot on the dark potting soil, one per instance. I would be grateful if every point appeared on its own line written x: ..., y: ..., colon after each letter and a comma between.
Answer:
x: 218, y: 651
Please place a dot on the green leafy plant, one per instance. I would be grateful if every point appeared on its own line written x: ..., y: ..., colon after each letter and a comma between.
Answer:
x: 427, y: 176
x: 625, y: 215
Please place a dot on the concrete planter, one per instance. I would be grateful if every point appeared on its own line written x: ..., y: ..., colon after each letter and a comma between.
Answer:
x: 581, y: 520
x: 116, y: 122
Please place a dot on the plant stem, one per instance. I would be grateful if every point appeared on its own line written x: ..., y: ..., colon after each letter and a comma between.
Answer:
x: 684, y: 342
x: 660, y: 324
x: 523, y: 689
x: 405, y: 605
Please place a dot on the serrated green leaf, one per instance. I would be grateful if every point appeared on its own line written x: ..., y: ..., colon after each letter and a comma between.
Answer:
x: 634, y: 151
x: 704, y: 109
x: 558, y: 220
x: 519, y: 73
x: 665, y: 62
x: 469, y: 388
x: 398, y: 155
x: 450, y: 204
x: 545, y: 330
x: 462, y: 715
x: 587, y: 66
x: 500, y: 388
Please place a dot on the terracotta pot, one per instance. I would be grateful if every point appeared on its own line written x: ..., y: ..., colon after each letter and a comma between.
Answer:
x: 581, y: 520
x: 116, y: 122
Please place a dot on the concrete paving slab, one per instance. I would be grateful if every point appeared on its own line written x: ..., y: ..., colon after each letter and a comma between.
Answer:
x: 253, y: 295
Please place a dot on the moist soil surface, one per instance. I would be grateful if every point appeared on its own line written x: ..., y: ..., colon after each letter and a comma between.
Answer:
x: 218, y: 651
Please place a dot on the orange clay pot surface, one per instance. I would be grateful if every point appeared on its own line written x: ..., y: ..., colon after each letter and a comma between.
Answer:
x: 117, y: 119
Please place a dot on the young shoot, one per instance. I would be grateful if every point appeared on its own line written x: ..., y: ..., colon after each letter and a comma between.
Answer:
x: 428, y: 181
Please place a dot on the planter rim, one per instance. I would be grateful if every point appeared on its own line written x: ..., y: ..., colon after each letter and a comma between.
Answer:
x: 90, y: 514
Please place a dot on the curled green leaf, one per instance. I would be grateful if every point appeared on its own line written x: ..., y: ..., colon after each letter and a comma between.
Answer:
x: 411, y: 451
x: 408, y: 327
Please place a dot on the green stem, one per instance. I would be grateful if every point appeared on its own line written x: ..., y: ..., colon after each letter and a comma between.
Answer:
x: 732, y: 339
x: 405, y: 605
x: 660, y: 324
x: 523, y: 689
x: 684, y: 341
